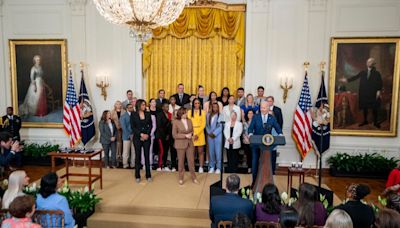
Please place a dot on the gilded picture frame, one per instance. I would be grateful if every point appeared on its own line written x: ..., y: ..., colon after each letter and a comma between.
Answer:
x: 39, y: 81
x: 364, y: 86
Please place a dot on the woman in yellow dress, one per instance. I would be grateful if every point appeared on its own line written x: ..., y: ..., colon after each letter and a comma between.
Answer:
x: 198, y: 118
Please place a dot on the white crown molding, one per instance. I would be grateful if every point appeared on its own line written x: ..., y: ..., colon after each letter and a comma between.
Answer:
x: 317, y: 5
x: 77, y: 7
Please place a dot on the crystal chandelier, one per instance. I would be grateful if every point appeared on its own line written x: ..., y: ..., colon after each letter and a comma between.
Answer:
x: 141, y: 16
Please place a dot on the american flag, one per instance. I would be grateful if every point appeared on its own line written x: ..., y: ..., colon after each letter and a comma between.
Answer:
x: 72, y: 114
x: 301, y: 131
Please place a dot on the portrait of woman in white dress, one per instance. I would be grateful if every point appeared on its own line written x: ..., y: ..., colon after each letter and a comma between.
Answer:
x: 35, y: 103
x: 39, y: 81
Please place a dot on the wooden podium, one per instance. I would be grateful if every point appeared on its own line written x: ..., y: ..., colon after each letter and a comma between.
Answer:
x: 264, y: 142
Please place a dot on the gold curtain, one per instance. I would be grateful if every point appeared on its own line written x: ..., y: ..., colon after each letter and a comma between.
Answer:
x: 204, y: 46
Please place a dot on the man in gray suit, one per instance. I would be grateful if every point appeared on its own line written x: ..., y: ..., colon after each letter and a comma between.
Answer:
x: 129, y: 98
x: 241, y: 98
x: 128, y: 150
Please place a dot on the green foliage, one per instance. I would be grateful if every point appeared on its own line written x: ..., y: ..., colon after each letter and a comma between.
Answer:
x: 80, y: 201
x: 31, y: 190
x: 36, y: 150
x: 362, y: 163
x: 83, y: 201
x: 323, y: 200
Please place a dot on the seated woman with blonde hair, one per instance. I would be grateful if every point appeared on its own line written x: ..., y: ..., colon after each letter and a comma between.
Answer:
x: 339, y: 219
x: 16, y: 183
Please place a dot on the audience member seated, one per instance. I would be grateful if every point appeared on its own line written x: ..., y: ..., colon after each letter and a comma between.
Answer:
x: 338, y: 219
x: 16, y: 183
x: 387, y: 218
x: 49, y: 199
x: 271, y: 205
x: 225, y: 207
x: 8, y: 149
x: 311, y: 210
x: 361, y: 214
x: 241, y: 221
x: 394, y: 177
x: 393, y: 202
x: 288, y: 218
x: 21, y: 208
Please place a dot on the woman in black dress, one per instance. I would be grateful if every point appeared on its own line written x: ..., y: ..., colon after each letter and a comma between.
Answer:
x: 141, y: 126
x: 225, y: 94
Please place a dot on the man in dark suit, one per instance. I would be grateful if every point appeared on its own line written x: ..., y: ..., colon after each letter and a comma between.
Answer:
x: 369, y: 91
x: 277, y: 113
x: 161, y: 99
x: 225, y: 207
x: 262, y: 124
x: 181, y: 97
x: 12, y: 124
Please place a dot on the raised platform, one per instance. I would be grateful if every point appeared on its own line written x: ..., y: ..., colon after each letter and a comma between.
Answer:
x: 161, y: 203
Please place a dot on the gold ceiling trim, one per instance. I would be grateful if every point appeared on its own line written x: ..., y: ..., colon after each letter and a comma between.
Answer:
x: 218, y: 5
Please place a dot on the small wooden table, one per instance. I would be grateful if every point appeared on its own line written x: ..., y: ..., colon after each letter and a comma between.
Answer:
x: 294, y: 172
x: 89, y: 156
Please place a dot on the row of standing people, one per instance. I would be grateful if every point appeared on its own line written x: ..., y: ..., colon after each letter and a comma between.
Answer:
x: 207, y: 115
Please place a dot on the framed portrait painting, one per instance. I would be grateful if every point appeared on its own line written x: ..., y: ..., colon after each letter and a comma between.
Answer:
x: 38, y: 81
x: 364, y: 86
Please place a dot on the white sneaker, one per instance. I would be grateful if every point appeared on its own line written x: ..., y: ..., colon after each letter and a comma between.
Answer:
x: 217, y: 171
x: 166, y: 169
x: 201, y: 170
x: 211, y: 170
x: 159, y: 169
x: 173, y: 170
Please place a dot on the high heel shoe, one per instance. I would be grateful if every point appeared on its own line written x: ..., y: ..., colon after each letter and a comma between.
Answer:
x: 196, y: 181
x: 180, y: 182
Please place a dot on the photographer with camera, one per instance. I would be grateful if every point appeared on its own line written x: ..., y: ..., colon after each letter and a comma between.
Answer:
x: 10, y: 151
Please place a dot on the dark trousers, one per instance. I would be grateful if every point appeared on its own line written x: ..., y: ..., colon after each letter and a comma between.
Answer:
x: 138, y: 154
x: 248, y: 153
x: 273, y: 161
x: 163, y: 155
x: 173, y: 153
x: 106, y: 148
x: 233, y: 160
x: 374, y: 114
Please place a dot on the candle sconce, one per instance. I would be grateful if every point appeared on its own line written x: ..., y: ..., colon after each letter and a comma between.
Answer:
x: 102, y: 82
x: 286, y: 87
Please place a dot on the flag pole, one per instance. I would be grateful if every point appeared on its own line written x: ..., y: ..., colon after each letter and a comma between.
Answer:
x: 322, y: 66
x: 305, y: 64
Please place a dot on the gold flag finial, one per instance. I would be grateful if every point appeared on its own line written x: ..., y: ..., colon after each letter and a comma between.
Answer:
x: 81, y: 64
x: 69, y: 65
x: 322, y: 65
x: 306, y: 64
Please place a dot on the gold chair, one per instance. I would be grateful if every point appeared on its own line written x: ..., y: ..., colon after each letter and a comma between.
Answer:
x: 261, y: 224
x: 49, y: 218
x: 4, y: 214
x: 50, y: 98
x: 225, y: 224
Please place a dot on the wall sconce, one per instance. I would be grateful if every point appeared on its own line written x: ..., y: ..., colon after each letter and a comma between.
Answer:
x: 286, y: 85
x: 102, y: 82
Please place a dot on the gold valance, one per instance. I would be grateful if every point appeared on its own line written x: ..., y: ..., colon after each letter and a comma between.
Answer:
x: 203, y: 23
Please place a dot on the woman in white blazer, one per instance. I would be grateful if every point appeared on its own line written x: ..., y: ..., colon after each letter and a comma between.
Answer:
x: 232, y: 132
x: 231, y: 107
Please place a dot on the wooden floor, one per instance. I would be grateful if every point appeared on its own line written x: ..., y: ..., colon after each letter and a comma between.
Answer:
x: 336, y: 184
x: 164, y: 203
